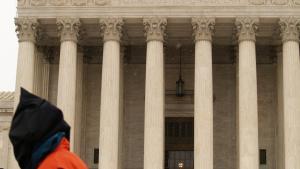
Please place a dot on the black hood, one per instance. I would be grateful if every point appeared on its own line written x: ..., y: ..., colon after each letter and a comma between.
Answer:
x: 34, y: 121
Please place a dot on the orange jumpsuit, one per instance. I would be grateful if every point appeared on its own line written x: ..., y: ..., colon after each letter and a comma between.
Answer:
x: 62, y: 158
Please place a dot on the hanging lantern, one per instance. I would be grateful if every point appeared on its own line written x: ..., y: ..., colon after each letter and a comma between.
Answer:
x: 179, y: 82
x: 179, y: 87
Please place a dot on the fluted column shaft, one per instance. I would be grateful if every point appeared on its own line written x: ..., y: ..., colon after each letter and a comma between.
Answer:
x: 279, y: 129
x: 41, y: 73
x: 45, y: 80
x: 26, y: 32
x: 66, y: 101
x: 247, y: 95
x: 154, y: 94
x: 110, y: 115
x: 290, y: 91
x: 25, y: 68
x: 203, y: 104
x: 79, y: 101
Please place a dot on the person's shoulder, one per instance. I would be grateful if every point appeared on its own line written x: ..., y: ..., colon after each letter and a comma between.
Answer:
x: 63, y: 159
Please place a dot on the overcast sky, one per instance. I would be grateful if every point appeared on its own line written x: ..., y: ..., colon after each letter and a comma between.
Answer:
x: 8, y: 45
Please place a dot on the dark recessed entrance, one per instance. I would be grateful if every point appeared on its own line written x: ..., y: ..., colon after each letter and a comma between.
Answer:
x: 179, y: 143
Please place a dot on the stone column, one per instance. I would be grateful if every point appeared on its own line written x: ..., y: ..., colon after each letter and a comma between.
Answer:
x: 27, y: 32
x: 290, y: 91
x: 39, y: 72
x: 279, y: 129
x: 203, y: 105
x: 247, y: 95
x: 45, y: 78
x: 68, y: 28
x: 110, y: 115
x: 155, y: 94
x: 79, y: 101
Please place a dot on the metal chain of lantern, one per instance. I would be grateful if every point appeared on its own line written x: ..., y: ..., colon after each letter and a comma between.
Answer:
x: 179, y: 82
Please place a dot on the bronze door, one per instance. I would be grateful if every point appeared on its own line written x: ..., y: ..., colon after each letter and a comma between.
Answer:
x: 179, y: 143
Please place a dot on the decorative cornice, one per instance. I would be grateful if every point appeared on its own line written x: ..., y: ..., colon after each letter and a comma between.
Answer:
x: 290, y: 28
x: 111, y: 28
x: 246, y: 28
x: 156, y: 2
x: 155, y: 28
x: 68, y: 28
x: 203, y: 28
x: 27, y: 28
x: 38, y: 2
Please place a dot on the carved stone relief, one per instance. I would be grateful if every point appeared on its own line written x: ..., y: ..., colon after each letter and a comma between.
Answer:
x: 79, y: 2
x: 257, y: 2
x: 246, y: 28
x: 156, y: 2
x: 280, y: 2
x: 289, y: 28
x: 27, y: 28
x: 38, y: 2
x: 203, y: 28
x: 68, y: 28
x: 155, y: 28
x: 57, y: 2
x: 225, y: 1
x: 297, y: 2
x: 111, y: 28
x: 21, y: 2
x: 101, y: 2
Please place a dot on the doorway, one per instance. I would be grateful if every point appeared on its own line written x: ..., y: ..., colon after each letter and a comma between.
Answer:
x: 179, y: 143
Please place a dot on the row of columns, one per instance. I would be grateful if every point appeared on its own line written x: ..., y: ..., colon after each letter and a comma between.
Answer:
x: 111, y: 90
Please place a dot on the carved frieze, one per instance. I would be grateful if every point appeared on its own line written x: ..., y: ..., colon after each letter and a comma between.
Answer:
x: 38, y: 2
x: 79, y: 2
x: 21, y: 2
x: 101, y: 2
x: 157, y: 2
x: 57, y: 2
x: 257, y: 2
x: 280, y: 2
x: 296, y: 2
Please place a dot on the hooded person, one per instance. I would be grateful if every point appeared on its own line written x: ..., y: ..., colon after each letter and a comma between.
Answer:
x: 40, y: 136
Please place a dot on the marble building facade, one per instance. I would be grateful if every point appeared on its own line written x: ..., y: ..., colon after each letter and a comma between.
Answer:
x: 6, y: 111
x: 112, y: 67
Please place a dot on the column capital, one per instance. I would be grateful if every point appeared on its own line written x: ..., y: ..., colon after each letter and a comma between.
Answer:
x: 246, y: 28
x: 111, y: 28
x: 68, y: 28
x: 27, y: 28
x: 203, y: 28
x: 290, y: 28
x: 155, y: 28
